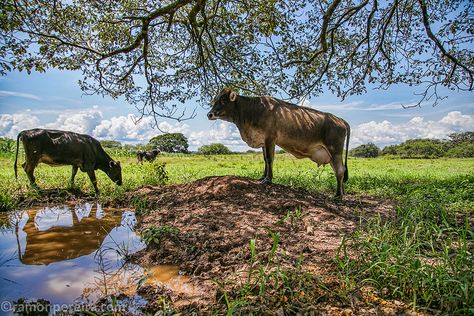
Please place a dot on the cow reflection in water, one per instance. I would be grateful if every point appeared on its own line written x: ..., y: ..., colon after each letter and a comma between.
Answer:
x: 58, y: 234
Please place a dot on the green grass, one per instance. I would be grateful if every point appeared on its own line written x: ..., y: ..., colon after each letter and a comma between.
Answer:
x: 155, y: 235
x: 423, y: 256
x: 268, y: 284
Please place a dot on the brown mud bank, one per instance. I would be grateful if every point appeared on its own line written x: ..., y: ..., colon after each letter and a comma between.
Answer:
x: 205, y: 227
x: 45, y: 197
x: 40, y: 197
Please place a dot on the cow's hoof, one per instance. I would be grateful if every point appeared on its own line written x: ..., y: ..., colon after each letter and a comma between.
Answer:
x: 265, y: 181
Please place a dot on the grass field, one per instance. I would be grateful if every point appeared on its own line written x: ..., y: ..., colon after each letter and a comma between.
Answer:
x: 424, y: 256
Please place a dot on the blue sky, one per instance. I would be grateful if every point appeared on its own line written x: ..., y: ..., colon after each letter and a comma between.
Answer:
x: 54, y: 100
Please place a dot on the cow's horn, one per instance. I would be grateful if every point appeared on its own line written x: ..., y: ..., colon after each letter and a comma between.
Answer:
x: 232, y: 96
x: 111, y: 163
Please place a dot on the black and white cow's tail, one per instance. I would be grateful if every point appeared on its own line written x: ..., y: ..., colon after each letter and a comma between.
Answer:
x: 16, y: 154
x: 346, y: 172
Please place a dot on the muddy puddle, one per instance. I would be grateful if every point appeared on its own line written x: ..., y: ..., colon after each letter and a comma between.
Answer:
x: 74, y: 254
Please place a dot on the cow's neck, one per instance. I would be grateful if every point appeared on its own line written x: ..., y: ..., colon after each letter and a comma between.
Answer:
x: 247, y: 112
x: 103, y: 161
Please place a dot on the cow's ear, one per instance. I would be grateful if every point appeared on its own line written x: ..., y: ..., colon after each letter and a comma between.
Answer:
x: 114, y: 163
x: 232, y: 96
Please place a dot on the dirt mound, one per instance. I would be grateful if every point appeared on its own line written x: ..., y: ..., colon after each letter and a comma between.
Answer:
x: 218, y: 216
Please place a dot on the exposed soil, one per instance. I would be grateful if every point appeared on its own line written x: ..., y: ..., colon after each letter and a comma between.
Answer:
x: 45, y: 197
x: 218, y: 216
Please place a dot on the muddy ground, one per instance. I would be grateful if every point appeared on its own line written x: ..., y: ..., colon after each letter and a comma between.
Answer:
x: 218, y: 216
x: 212, y: 221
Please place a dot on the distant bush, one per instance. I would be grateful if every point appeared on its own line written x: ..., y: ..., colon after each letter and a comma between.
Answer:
x: 214, y: 149
x: 460, y: 138
x: 389, y: 150
x: 461, y: 150
x: 369, y: 150
x: 459, y: 145
x: 421, y: 148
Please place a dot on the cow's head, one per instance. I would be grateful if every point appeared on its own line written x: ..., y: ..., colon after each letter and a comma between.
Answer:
x: 223, y: 106
x: 115, y: 172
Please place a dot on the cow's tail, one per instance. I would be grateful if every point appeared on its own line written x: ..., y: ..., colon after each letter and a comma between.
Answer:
x: 346, y: 172
x: 16, y: 153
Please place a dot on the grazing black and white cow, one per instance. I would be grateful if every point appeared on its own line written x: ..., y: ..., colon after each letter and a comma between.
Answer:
x: 54, y: 147
x: 148, y: 155
x: 264, y: 122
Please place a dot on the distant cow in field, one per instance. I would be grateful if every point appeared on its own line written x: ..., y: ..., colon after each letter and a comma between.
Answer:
x: 264, y: 122
x: 147, y: 155
x: 56, y: 148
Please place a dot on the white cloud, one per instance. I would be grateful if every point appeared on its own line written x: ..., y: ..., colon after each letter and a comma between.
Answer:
x: 357, y: 106
x: 225, y: 133
x: 4, y: 93
x: 386, y: 133
x: 122, y: 128
x: 174, y: 128
x: 12, y: 124
x: 127, y: 129
x: 83, y: 121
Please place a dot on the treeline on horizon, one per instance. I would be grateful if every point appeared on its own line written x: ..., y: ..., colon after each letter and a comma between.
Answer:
x: 458, y: 145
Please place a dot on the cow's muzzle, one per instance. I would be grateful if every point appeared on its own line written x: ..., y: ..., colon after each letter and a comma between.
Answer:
x: 211, y: 116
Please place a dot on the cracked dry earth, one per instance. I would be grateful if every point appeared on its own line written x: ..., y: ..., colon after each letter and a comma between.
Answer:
x: 218, y: 216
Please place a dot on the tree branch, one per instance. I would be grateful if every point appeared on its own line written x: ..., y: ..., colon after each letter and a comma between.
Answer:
x: 440, y: 46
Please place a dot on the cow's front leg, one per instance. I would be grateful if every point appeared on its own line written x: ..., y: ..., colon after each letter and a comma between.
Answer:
x: 73, y: 175
x: 266, y: 169
x: 91, y: 174
x: 268, y: 155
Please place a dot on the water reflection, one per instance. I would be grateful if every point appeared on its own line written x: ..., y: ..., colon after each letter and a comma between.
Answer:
x: 71, y: 254
x: 66, y: 253
x: 70, y: 234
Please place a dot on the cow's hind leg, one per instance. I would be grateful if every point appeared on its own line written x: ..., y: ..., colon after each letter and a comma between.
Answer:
x: 91, y: 175
x: 339, y: 169
x: 30, y: 169
x: 73, y: 175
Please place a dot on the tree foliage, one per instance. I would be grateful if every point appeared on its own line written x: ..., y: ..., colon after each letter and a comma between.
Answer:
x: 389, y: 150
x: 7, y: 145
x: 459, y: 145
x: 110, y: 144
x: 421, y: 148
x: 459, y: 138
x: 369, y: 150
x: 462, y: 150
x: 214, y: 149
x: 159, y: 54
x: 170, y: 143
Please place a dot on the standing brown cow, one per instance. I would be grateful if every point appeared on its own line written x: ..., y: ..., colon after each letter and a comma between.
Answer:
x: 264, y: 122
